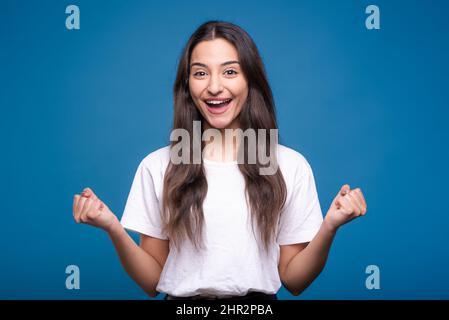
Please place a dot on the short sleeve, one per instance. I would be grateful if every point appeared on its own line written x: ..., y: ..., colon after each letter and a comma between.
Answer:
x: 302, y: 217
x: 142, y: 211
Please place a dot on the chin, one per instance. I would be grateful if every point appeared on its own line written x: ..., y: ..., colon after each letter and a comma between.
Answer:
x: 219, y: 123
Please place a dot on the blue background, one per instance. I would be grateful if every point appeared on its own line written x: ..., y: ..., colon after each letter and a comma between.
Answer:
x: 365, y: 107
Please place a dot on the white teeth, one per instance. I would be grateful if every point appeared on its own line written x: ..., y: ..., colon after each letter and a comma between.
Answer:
x: 217, y: 102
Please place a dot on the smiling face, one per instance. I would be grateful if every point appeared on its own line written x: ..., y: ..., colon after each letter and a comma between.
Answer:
x: 217, y: 84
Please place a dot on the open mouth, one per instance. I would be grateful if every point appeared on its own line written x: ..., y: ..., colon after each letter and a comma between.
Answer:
x: 218, y: 106
x: 215, y: 103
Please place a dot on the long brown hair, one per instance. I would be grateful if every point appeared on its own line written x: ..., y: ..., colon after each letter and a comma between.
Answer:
x: 185, y: 185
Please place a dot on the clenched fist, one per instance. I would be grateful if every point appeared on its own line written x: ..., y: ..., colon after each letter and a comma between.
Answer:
x: 89, y: 209
x: 346, y: 206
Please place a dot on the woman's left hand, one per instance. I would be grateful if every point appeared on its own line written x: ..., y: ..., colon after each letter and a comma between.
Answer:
x: 346, y: 206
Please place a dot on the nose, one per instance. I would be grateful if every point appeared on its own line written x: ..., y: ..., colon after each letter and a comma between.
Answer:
x: 215, y: 86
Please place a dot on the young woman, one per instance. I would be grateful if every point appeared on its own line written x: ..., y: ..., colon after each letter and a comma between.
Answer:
x: 218, y: 228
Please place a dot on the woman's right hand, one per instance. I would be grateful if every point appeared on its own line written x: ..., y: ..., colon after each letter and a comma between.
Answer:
x: 89, y: 209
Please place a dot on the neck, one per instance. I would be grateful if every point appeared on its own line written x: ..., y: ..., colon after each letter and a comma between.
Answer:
x: 224, y: 149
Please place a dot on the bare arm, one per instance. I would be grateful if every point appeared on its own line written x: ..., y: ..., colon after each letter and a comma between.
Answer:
x: 300, y: 264
x: 142, y: 263
x: 305, y: 265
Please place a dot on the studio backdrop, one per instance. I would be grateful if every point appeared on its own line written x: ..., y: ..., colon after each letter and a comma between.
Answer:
x: 360, y: 87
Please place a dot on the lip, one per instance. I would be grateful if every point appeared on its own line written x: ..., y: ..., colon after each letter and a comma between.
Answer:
x: 217, y: 99
x: 218, y: 110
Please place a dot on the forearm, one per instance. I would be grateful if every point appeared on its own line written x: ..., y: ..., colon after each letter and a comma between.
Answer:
x: 140, y: 266
x: 309, y: 262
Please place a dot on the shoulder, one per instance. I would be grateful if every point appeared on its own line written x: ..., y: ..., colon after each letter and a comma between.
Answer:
x: 292, y: 161
x: 157, y: 159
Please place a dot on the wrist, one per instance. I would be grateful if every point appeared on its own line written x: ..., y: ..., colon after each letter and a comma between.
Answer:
x: 329, y: 227
x: 114, y: 227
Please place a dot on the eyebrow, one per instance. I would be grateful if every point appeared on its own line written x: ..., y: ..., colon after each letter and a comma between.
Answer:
x: 205, y: 65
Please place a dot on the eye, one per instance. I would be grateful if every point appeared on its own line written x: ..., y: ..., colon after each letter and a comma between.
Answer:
x: 199, y: 74
x: 230, y: 72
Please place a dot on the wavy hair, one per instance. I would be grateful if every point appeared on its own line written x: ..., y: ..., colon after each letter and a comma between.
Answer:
x: 185, y: 185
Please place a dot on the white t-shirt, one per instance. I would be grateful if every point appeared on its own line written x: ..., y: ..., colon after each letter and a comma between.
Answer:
x: 232, y: 262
